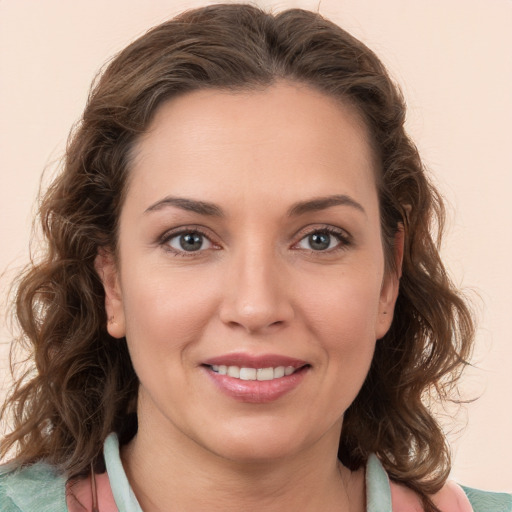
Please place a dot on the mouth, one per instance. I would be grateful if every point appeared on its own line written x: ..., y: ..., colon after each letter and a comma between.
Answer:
x: 258, y: 379
x: 260, y: 374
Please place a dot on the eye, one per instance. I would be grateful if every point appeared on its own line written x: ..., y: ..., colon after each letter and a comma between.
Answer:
x: 188, y: 241
x: 323, y: 240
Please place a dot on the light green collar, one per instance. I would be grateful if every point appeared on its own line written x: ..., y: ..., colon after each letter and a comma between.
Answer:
x: 121, y: 490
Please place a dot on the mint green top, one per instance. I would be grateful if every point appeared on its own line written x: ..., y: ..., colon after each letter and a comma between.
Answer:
x: 39, y: 488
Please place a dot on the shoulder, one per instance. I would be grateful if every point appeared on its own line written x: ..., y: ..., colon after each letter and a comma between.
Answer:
x: 35, y: 488
x: 451, y: 498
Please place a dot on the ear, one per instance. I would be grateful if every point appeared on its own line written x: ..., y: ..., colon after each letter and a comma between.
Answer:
x: 390, y: 287
x: 106, y: 268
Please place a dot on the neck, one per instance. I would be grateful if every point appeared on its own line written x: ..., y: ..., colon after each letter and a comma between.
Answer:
x: 167, y: 468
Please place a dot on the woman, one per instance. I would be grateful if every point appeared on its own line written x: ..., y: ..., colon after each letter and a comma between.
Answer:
x: 241, y: 303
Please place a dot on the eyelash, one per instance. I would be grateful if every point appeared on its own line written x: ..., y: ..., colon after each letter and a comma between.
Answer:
x: 167, y: 237
x: 343, y: 238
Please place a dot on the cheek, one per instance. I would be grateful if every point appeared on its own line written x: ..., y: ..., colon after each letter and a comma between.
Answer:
x: 342, y: 319
x: 347, y: 304
x: 164, y: 312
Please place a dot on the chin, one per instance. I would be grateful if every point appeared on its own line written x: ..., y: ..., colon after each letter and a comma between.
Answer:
x: 254, y: 452
x: 258, y: 442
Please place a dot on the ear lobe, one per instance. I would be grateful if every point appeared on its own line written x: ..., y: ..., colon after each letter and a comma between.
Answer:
x: 106, y: 269
x: 390, y: 287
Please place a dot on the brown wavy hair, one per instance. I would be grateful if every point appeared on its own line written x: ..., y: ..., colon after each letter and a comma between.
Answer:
x: 84, y: 385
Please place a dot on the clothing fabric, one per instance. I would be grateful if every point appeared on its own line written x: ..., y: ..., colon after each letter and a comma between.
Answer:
x: 40, y: 488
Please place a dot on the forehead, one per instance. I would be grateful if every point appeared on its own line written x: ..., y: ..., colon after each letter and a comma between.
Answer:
x: 287, y: 137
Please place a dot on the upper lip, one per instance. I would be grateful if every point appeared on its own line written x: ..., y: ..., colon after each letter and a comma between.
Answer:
x: 255, y: 361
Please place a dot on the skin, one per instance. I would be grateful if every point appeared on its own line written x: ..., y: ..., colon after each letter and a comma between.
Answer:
x: 256, y: 286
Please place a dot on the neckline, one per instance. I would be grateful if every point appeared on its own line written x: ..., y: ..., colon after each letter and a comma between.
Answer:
x: 378, y: 490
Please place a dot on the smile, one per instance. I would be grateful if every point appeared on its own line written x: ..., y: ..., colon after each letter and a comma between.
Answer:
x: 256, y: 379
x: 260, y: 374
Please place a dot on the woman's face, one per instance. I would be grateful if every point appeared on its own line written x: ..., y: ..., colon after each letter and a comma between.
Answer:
x: 250, y: 248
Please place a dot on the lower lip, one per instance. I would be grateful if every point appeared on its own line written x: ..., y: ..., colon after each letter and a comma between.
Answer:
x: 257, y: 391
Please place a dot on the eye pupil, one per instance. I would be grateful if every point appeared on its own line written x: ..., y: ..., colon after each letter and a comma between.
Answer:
x: 191, y: 241
x: 319, y: 241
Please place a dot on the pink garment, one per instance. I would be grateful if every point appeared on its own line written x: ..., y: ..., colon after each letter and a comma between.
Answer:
x: 79, y: 495
x: 451, y: 498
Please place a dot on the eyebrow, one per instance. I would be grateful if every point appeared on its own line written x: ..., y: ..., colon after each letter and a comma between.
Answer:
x: 300, y: 208
x: 191, y: 205
x: 322, y: 203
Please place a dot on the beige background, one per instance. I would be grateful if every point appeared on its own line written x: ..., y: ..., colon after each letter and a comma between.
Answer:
x: 453, y: 59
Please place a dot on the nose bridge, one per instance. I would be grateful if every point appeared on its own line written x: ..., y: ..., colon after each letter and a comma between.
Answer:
x: 256, y: 296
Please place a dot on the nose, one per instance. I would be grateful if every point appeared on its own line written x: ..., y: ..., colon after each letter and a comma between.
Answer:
x: 257, y: 295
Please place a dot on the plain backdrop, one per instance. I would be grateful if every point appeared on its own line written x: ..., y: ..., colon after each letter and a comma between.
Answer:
x: 453, y: 60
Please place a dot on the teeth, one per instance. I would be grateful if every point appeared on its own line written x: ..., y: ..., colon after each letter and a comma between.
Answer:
x: 265, y: 373
x: 279, y: 372
x: 289, y: 370
x: 247, y: 373
x: 233, y: 371
x: 253, y: 373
